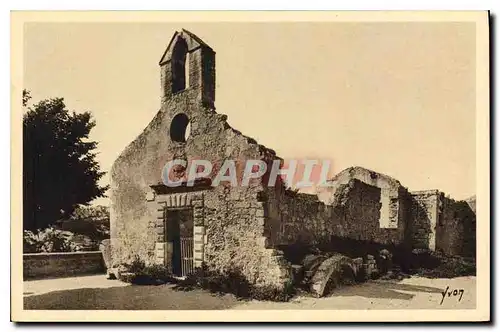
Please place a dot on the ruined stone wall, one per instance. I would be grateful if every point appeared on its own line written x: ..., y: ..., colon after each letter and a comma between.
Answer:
x: 355, y: 212
x: 358, y: 208
x: 392, y: 194
x: 417, y: 220
x: 235, y: 236
x: 442, y: 224
x: 424, y: 214
x: 456, y: 228
x: 297, y: 218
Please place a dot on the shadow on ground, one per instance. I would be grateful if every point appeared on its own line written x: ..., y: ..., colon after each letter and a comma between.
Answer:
x: 165, y: 297
x: 384, y: 290
x: 129, y: 298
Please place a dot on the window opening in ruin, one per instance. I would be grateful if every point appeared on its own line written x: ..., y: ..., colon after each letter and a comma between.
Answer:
x: 179, y: 67
x: 180, y: 128
x: 186, y: 72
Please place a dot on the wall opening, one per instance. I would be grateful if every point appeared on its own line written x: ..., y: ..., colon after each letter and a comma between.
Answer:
x: 179, y: 56
x: 186, y: 71
x: 179, y: 234
x: 180, y: 128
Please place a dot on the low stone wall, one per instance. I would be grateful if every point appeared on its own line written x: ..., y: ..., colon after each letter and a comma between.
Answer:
x: 62, y: 264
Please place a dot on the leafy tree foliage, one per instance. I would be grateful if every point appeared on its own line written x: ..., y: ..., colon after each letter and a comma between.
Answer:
x: 49, y: 240
x: 59, y: 167
x: 91, y: 221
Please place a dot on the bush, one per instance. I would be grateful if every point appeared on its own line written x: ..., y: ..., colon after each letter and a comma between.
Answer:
x: 138, y: 273
x: 136, y: 266
x: 269, y: 293
x: 90, y: 224
x: 447, y: 267
x: 91, y: 221
x: 234, y: 282
x: 85, y: 243
x: 153, y: 275
x: 223, y: 282
x: 231, y: 281
x: 49, y: 240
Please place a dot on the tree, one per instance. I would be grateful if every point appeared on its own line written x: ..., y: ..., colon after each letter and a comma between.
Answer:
x: 92, y: 221
x: 59, y: 167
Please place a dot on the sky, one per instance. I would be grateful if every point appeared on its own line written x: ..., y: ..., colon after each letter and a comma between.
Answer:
x: 398, y: 98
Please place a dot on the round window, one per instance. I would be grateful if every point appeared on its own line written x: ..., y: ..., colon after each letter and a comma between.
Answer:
x: 180, y: 128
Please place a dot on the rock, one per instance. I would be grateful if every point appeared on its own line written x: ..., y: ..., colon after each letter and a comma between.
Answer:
x: 311, y: 263
x: 330, y: 268
x: 111, y: 275
x: 385, y: 253
x: 385, y: 261
x: 105, y: 248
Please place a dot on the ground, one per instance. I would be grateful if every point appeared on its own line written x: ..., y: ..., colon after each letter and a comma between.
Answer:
x: 98, y: 293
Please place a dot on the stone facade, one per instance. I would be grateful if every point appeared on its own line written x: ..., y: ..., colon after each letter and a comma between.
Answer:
x: 228, y: 221
x: 240, y: 228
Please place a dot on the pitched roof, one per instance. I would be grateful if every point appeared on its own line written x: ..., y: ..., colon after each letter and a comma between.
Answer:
x: 195, y: 37
x: 193, y: 42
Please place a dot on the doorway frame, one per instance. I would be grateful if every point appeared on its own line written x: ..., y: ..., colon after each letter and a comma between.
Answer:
x: 185, y: 268
x: 164, y: 198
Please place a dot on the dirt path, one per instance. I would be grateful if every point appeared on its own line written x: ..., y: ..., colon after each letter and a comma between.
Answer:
x: 98, y: 293
x: 38, y: 287
x: 95, y: 292
x: 411, y: 293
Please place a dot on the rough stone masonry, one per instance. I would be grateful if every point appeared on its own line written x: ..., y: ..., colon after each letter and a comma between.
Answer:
x: 241, y: 228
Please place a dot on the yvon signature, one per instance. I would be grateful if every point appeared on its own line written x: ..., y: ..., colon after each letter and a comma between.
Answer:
x: 452, y: 293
